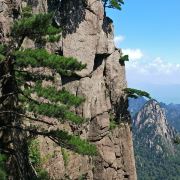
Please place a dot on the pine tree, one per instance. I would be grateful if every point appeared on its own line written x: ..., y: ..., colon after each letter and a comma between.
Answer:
x: 22, y: 76
x: 135, y: 93
x: 115, y: 4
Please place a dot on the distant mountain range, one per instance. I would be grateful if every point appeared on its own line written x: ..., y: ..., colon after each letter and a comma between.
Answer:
x: 172, y: 111
x: 173, y: 114
x: 157, y: 156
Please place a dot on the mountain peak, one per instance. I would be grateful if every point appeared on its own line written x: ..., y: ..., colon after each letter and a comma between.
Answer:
x: 152, y: 127
x: 157, y: 157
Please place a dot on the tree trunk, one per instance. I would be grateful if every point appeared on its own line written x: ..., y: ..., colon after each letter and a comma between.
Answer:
x: 12, y: 140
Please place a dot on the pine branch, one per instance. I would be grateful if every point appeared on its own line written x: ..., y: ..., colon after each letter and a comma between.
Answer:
x: 28, y: 117
x: 29, y: 98
x: 57, y: 96
x: 56, y: 111
x: 62, y: 138
x: 41, y: 58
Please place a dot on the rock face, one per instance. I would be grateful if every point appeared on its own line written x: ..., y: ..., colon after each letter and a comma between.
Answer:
x: 88, y: 36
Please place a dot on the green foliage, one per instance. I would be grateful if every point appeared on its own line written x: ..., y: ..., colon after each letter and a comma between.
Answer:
x: 36, y: 160
x: 135, y: 93
x: 54, y: 109
x: 124, y: 58
x: 53, y: 38
x: 34, y: 26
x: 23, y: 77
x: 2, y: 57
x: 113, y: 123
x: 75, y: 143
x: 82, y: 177
x: 3, y: 175
x: 57, y: 111
x: 151, y: 165
x: 176, y: 140
x: 27, y: 11
x: 62, y: 96
x: 42, y: 174
x: 65, y: 156
x: 34, y: 153
x: 41, y: 58
x: 3, y: 49
x: 115, y: 4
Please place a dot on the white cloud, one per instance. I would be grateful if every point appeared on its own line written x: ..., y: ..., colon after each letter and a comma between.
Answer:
x: 156, y: 71
x: 118, y: 40
x: 134, y: 54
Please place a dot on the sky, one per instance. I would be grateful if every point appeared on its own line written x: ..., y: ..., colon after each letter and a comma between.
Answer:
x: 149, y: 32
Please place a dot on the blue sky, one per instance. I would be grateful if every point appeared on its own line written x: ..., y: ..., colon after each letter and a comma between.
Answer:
x: 149, y: 31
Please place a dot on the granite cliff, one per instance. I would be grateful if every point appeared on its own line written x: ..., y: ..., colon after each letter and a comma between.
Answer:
x: 88, y: 36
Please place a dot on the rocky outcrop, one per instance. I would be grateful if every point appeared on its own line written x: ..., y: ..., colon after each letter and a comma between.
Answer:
x: 160, y: 134
x: 88, y: 36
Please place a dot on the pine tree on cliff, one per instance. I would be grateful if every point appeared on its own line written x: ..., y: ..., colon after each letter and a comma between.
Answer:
x: 25, y: 97
x: 115, y: 4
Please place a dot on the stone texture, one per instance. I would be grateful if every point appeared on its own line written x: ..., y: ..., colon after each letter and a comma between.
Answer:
x: 115, y: 76
x: 116, y: 155
x: 99, y: 127
x: 106, y: 149
x: 52, y: 158
x: 28, y: 44
x: 94, y: 90
x: 38, y: 6
x: 5, y: 20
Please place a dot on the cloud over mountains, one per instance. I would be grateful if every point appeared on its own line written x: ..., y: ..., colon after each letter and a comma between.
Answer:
x: 156, y: 71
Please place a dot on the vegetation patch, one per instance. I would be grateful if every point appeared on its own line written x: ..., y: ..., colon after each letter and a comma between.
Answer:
x: 36, y: 160
x: 65, y: 155
x: 113, y: 124
x: 3, y: 175
x: 124, y: 58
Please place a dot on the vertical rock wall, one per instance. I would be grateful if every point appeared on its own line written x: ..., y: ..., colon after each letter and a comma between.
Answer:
x: 102, y: 84
x: 88, y: 36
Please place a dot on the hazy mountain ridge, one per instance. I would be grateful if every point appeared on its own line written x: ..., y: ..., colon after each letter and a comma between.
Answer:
x: 173, y: 114
x: 136, y: 104
x: 151, y: 122
x: 157, y: 157
x: 172, y: 111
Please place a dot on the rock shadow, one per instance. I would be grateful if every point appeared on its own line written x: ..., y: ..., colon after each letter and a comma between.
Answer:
x: 70, y: 14
x: 121, y: 110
